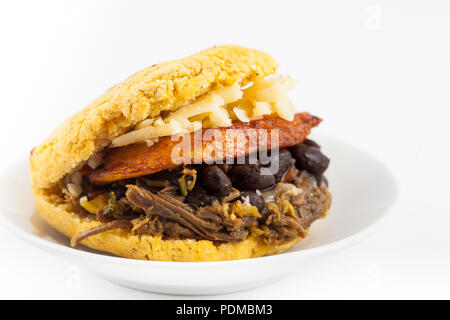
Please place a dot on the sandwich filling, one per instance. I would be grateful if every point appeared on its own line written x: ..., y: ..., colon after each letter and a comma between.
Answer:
x: 270, y: 183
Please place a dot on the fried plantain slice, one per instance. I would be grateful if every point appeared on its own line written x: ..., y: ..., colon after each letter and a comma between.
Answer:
x: 241, y: 139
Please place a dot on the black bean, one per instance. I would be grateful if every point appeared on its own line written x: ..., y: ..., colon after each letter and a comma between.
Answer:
x: 198, y: 197
x: 254, y: 199
x: 251, y: 177
x: 311, y: 143
x: 215, y: 181
x: 285, y: 162
x: 310, y: 159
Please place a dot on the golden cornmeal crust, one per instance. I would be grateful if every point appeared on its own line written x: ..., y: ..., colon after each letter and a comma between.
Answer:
x: 162, y: 87
x: 62, y: 217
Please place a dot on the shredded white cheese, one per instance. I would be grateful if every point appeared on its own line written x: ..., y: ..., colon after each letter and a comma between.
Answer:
x: 218, y: 109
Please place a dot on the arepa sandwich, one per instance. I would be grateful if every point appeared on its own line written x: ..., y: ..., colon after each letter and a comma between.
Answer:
x: 198, y: 159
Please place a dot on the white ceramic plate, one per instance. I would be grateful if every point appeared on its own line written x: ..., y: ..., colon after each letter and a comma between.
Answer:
x: 363, y: 190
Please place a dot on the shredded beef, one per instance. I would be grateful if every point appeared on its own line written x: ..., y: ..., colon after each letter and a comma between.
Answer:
x: 286, y: 229
x: 177, y: 231
x: 113, y: 225
x: 224, y: 203
x: 169, y: 208
x: 313, y: 202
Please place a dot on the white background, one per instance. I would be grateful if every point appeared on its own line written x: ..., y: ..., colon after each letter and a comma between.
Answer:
x: 378, y: 72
